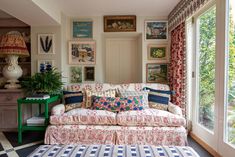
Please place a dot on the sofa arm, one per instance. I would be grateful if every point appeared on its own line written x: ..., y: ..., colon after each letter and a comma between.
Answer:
x: 58, y: 109
x: 174, y: 109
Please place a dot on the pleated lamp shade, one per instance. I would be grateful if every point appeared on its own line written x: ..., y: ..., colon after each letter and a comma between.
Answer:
x: 13, y: 44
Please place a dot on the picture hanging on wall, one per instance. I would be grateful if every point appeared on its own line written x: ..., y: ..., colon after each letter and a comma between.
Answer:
x: 122, y: 23
x: 82, y: 52
x: 44, y: 65
x: 46, y: 44
x: 158, y: 53
x: 82, y: 29
x: 156, y: 30
x: 89, y: 73
x: 156, y: 73
x: 76, y: 74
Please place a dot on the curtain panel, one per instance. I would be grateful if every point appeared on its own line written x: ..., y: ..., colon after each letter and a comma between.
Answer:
x: 177, y: 68
x: 183, y: 10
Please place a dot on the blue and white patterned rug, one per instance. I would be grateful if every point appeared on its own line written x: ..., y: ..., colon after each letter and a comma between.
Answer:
x: 112, y: 151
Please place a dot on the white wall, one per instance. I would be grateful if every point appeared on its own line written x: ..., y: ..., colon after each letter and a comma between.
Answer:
x: 63, y: 36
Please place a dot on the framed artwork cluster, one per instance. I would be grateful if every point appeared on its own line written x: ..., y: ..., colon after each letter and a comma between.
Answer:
x: 157, y: 51
x: 46, y: 46
x: 78, y: 74
x: 81, y: 51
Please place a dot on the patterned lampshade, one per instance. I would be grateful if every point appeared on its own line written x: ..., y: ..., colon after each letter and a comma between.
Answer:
x: 13, y: 44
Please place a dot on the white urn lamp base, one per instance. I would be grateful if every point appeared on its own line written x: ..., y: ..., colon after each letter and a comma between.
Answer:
x: 12, y: 71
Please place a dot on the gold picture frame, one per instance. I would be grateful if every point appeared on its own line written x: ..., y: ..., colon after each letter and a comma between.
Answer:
x: 120, y: 23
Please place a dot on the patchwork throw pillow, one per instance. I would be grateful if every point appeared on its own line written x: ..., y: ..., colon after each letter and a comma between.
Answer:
x: 158, y: 99
x: 118, y: 103
x: 90, y: 93
x: 73, y: 100
x: 136, y: 93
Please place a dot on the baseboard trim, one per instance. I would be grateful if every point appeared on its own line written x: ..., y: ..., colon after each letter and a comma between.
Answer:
x: 205, y: 145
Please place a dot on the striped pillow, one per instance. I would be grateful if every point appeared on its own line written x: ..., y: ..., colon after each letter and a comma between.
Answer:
x: 136, y: 93
x: 90, y: 93
x: 73, y: 100
x: 158, y: 99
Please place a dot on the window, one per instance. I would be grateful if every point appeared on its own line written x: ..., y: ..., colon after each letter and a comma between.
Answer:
x: 230, y: 107
x: 206, y: 38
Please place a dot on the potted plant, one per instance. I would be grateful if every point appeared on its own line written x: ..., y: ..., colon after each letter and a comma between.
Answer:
x: 47, y: 81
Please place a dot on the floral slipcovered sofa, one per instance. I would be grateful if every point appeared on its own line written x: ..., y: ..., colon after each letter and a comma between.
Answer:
x: 90, y: 126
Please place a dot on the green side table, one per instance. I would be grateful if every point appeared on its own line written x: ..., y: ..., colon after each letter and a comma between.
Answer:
x: 46, y: 102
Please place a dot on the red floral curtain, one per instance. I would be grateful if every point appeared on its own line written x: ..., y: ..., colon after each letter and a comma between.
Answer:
x: 177, y: 68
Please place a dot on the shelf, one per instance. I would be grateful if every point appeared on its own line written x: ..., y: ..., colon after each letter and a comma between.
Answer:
x: 34, y: 128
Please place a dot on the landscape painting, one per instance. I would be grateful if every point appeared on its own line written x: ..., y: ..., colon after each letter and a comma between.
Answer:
x: 156, y: 30
x: 82, y: 29
x: 156, y: 73
x: 82, y: 52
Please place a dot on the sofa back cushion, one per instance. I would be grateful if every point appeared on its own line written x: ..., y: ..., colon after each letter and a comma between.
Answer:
x: 118, y: 103
x: 73, y: 100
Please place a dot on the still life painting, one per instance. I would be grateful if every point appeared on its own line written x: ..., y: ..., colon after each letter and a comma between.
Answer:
x: 156, y: 30
x: 46, y: 44
x: 158, y: 53
x: 45, y: 65
x: 75, y: 74
x: 82, y: 52
x: 123, y: 23
x: 82, y: 29
x: 156, y: 73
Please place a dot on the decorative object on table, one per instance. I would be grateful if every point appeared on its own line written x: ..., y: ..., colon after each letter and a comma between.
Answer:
x: 38, y: 96
x: 76, y: 74
x: 82, y: 29
x: 46, y: 44
x: 48, y: 81
x: 158, y: 53
x: 89, y: 73
x: 122, y: 23
x: 156, y: 73
x: 43, y: 64
x: 82, y: 52
x: 12, y: 45
x: 156, y: 30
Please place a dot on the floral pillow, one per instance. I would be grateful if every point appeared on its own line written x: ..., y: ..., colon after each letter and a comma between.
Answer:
x: 117, y: 104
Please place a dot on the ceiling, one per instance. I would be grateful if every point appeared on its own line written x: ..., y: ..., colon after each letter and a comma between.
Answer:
x: 48, y: 12
x: 115, y: 7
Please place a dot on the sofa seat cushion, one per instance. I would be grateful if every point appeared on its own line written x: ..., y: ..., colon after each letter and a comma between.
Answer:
x: 149, y: 117
x: 85, y: 116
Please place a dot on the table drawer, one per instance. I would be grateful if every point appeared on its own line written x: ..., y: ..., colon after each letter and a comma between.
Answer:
x: 9, y: 98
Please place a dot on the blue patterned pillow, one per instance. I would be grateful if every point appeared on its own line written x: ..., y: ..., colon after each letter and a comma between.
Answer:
x: 73, y: 100
x: 158, y: 99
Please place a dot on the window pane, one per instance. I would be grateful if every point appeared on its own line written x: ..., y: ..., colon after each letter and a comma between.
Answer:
x: 207, y: 36
x: 230, y: 129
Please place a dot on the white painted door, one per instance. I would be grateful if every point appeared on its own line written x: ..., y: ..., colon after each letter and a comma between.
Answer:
x: 204, y: 83
x: 122, y: 60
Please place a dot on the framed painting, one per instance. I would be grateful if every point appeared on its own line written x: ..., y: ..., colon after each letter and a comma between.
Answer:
x: 156, y: 73
x: 45, y: 64
x: 82, y: 52
x: 46, y: 44
x: 82, y: 29
x: 76, y: 74
x: 156, y: 30
x: 89, y: 73
x: 158, y: 53
x: 124, y: 23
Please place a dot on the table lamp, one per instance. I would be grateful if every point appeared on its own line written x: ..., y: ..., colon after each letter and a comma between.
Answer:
x: 12, y: 46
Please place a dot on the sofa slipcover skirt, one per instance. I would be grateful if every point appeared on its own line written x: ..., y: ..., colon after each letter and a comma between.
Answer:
x: 102, y: 134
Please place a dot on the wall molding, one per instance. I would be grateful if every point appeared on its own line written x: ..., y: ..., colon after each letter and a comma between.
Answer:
x: 204, y: 145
